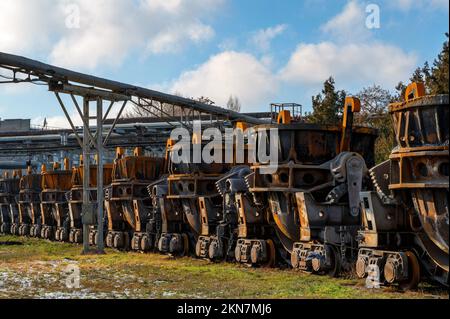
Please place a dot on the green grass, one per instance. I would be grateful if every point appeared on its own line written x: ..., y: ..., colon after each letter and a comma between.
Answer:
x: 31, y: 268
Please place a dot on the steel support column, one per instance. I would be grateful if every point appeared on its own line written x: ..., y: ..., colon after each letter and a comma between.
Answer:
x: 100, y: 238
x: 86, y: 171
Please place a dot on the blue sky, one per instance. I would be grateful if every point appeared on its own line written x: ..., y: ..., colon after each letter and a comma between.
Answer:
x: 259, y: 50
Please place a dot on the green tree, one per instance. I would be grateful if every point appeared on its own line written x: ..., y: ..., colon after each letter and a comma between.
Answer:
x: 327, y: 105
x: 374, y: 113
x: 400, y: 90
x: 437, y: 81
x: 418, y: 76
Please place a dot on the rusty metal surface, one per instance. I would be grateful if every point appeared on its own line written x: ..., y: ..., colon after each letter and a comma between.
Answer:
x: 199, y: 199
x: 419, y: 168
x: 77, y: 175
x: 29, y: 204
x: 315, y: 144
x: 405, y: 220
x: 9, y: 211
x: 127, y: 201
x: 307, y: 156
x: 188, y: 206
x: 75, y: 200
x: 313, y: 196
x: 54, y: 205
x: 421, y: 122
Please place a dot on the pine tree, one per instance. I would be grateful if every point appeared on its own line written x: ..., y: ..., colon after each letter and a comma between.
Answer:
x: 438, y: 80
x: 418, y: 76
x: 400, y: 90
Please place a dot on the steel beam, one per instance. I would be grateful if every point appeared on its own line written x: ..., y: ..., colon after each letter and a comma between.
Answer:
x: 61, y: 103
x: 49, y: 73
x: 111, y: 130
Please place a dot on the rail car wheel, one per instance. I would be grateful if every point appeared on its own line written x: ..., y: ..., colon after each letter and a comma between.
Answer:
x: 126, y: 241
x: 96, y: 239
x: 63, y: 235
x: 151, y: 242
x: 118, y: 241
x: 271, y: 253
x: 185, y: 244
x: 36, y: 232
x: 14, y: 229
x: 216, y: 251
x: 198, y: 248
x: 335, y: 262
x: 110, y: 240
x: 145, y: 243
x: 51, y: 233
x: 413, y: 273
x: 78, y: 237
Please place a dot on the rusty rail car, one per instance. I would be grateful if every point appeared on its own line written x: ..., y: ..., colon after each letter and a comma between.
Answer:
x: 405, y: 230
x: 188, y: 205
x: 309, y: 208
x: 30, y: 217
x: 54, y: 206
x: 127, y: 201
x: 9, y: 209
x: 75, y: 200
x: 322, y: 211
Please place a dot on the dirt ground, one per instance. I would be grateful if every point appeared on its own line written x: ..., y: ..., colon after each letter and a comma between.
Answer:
x: 31, y: 268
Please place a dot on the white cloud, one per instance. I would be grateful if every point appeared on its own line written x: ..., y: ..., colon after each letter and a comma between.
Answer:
x: 229, y: 73
x: 109, y: 29
x: 262, y: 38
x: 352, y: 56
x: 166, y: 5
x: 350, y: 65
x: 229, y: 44
x: 23, y: 28
x: 60, y: 120
x: 171, y: 41
x: 349, y: 25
